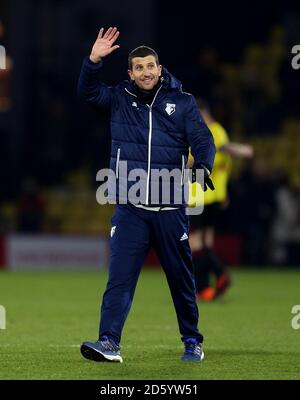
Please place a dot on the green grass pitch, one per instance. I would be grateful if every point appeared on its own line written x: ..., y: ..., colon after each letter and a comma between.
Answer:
x: 248, y: 332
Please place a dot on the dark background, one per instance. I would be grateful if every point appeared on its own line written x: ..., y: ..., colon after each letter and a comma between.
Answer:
x: 46, y: 132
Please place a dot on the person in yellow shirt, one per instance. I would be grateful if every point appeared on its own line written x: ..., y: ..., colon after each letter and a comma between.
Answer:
x: 202, y: 233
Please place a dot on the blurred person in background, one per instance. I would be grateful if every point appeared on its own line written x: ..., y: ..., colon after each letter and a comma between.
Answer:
x: 285, y: 226
x: 5, y: 77
x: 257, y: 209
x: 202, y: 236
x: 153, y: 123
x: 5, y: 111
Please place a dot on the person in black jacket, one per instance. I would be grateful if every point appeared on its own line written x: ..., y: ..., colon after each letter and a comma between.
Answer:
x: 153, y: 123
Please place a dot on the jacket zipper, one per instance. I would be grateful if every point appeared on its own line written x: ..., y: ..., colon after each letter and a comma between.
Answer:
x: 117, y: 163
x: 149, y: 145
x: 149, y: 140
x: 182, y: 169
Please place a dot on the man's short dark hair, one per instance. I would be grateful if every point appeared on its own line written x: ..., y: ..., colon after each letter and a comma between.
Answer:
x: 142, y: 51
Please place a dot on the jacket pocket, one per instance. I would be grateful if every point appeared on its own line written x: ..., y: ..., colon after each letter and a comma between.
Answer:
x: 182, y: 169
x: 117, y: 162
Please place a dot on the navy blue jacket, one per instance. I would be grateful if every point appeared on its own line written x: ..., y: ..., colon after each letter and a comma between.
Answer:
x: 155, y: 136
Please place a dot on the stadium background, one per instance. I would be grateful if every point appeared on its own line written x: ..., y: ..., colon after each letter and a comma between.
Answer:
x: 236, y: 56
x: 238, y: 59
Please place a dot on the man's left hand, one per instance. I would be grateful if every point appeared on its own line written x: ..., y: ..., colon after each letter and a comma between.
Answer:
x: 207, y: 182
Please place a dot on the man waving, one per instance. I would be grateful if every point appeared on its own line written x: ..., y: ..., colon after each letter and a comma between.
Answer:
x: 153, y: 123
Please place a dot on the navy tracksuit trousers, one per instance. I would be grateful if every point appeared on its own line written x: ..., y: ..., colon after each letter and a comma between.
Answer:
x: 134, y: 231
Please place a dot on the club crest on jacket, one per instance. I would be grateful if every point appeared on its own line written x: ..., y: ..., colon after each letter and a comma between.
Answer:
x: 170, y: 108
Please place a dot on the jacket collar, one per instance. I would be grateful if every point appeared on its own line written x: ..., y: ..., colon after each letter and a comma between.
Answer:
x: 169, y: 81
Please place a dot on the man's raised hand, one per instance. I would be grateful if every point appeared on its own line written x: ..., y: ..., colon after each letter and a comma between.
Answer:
x: 104, y: 44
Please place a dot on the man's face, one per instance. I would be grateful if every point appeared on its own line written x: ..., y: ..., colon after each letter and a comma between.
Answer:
x: 145, y: 72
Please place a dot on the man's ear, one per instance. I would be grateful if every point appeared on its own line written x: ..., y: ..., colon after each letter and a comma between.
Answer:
x: 130, y: 74
x: 160, y: 69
